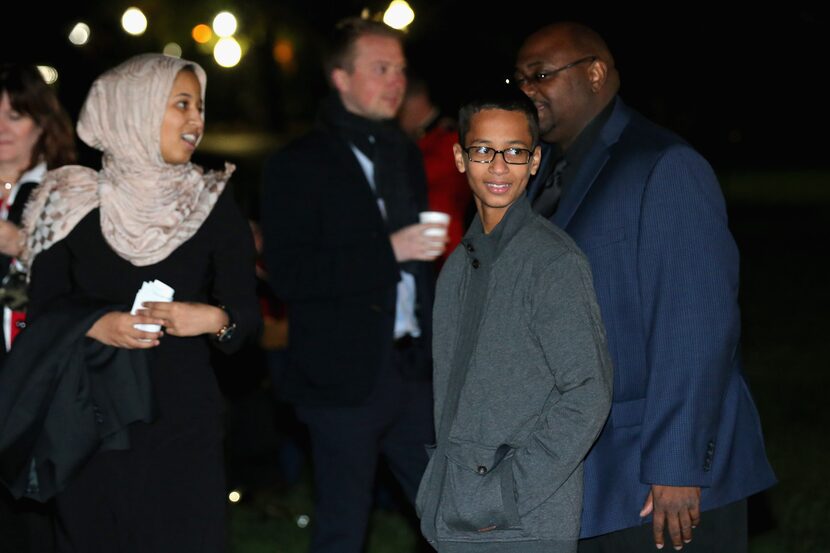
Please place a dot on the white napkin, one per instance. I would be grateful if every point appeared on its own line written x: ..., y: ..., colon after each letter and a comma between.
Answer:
x: 151, y: 291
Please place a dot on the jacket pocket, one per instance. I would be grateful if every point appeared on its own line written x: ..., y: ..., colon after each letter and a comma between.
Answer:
x: 479, y: 493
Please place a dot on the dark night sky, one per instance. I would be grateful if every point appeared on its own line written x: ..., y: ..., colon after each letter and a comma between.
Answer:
x: 746, y: 90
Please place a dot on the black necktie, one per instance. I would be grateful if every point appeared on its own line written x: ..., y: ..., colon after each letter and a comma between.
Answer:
x: 547, y: 197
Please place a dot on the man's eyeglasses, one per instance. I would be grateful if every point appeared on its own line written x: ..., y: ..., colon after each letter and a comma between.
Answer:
x: 484, y: 154
x: 520, y: 79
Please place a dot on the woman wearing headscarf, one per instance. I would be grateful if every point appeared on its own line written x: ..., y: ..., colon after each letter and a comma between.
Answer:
x: 94, y: 237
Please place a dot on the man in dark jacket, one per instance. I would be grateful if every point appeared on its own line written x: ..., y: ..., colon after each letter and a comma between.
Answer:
x: 345, y: 252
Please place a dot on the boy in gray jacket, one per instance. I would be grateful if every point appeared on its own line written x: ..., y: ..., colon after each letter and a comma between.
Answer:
x: 522, y: 374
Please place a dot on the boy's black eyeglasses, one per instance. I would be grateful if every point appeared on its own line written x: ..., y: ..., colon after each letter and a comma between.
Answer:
x: 484, y: 154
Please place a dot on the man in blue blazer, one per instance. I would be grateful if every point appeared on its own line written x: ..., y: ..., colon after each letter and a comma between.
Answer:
x: 682, y: 446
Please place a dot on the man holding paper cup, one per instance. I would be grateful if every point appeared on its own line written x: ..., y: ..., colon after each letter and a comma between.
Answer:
x: 347, y: 253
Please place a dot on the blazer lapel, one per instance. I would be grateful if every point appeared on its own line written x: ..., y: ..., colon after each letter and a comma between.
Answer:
x: 576, y: 191
x: 594, y: 162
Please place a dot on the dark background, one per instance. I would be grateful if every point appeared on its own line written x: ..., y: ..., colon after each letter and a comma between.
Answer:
x: 746, y: 89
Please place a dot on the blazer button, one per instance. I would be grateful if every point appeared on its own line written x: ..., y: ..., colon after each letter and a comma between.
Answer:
x: 481, y: 470
x: 476, y: 264
x: 470, y: 248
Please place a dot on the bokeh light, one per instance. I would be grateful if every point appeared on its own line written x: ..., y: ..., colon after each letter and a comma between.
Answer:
x: 224, y: 24
x: 283, y: 51
x: 79, y: 35
x: 173, y: 50
x: 133, y: 21
x: 201, y: 33
x: 49, y: 73
x: 399, y: 14
x: 227, y: 52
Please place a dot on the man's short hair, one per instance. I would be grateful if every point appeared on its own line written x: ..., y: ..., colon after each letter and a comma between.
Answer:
x: 340, y: 50
x: 501, y: 97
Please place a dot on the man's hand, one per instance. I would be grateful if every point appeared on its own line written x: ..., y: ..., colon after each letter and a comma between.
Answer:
x: 410, y: 242
x: 677, y: 507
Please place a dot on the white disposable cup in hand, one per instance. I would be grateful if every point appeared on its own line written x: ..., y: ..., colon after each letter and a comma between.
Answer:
x: 438, y: 232
x: 435, y: 217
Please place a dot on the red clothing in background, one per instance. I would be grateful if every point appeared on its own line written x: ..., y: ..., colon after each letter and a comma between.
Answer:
x: 447, y: 189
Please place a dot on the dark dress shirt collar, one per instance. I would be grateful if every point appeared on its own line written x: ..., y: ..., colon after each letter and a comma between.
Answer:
x: 584, y: 142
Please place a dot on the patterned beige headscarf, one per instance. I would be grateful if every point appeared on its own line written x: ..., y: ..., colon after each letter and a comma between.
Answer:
x: 148, y: 207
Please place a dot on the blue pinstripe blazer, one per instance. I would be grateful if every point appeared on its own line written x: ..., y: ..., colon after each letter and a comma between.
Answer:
x: 649, y: 214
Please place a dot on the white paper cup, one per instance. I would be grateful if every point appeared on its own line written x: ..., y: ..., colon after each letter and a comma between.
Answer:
x: 435, y: 217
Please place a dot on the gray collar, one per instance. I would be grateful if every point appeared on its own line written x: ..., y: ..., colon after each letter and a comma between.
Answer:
x: 487, y: 248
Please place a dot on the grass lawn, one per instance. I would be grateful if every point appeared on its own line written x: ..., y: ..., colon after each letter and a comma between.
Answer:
x: 785, y: 298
